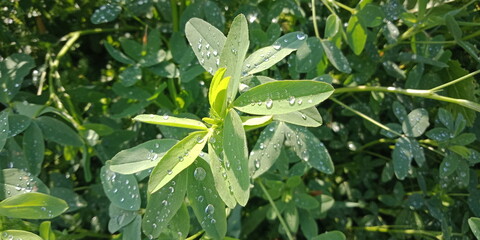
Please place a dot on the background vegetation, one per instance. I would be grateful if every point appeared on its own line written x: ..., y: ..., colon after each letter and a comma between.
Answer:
x: 401, y: 127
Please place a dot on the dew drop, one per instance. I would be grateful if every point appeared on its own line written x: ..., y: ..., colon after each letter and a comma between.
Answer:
x: 165, y: 116
x: 257, y: 163
x: 169, y: 172
x: 199, y: 173
x: 276, y: 46
x: 301, y: 36
x: 210, y: 209
x: 269, y: 103
x: 291, y: 100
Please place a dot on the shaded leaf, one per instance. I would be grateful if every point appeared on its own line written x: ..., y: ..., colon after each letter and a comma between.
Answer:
x: 118, y: 55
x: 267, y: 149
x: 130, y: 76
x: 34, y: 148
x: 16, y: 181
x: 122, y: 190
x: 57, y: 131
x: 12, y: 71
x: 336, y: 57
x: 105, y: 13
x: 119, y: 218
x: 416, y: 123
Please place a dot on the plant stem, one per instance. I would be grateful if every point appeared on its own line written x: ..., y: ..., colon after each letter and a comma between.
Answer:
x: 455, y: 81
x: 351, y: 10
x: 195, y: 235
x: 412, y: 92
x: 366, y: 117
x: 314, y: 19
x: 175, y: 20
x: 275, y: 209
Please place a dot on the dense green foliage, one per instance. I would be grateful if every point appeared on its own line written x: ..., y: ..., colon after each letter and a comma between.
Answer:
x: 285, y: 119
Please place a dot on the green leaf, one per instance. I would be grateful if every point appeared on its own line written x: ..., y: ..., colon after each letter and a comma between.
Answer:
x: 74, y: 200
x: 417, y: 152
x: 283, y: 97
x: 371, y: 15
x: 402, y: 158
x: 233, y: 54
x: 356, y: 35
x: 207, y: 43
x: 254, y: 122
x: 464, y: 139
x: 290, y: 214
x: 12, y: 71
x: 34, y: 148
x: 179, y: 157
x: 308, y: 225
x: 16, y: 181
x: 100, y: 129
x: 439, y: 134
x: 32, y: 206
x: 133, y: 231
x: 336, y: 57
x: 266, y: 57
x: 141, y: 157
x: 17, y: 124
x: 308, y: 148
x: 309, y: 55
x: 130, y: 75
x: 117, y: 55
x: 163, y: 205
x: 309, y: 117
x: 332, y: 26
x: 3, y: 128
x: 119, y: 218
x: 267, y: 149
x: 236, y: 156
x: 133, y: 49
x: 305, y: 201
x: 57, y: 131
x: 217, y: 94
x: 416, y: 123
x: 219, y: 171
x: 180, y: 224
x: 214, y: 14
x: 122, y: 190
x: 33, y: 110
x: 474, y: 224
x: 204, y: 200
x: 152, y: 58
x: 45, y: 231
x: 449, y: 165
x: 166, y: 120
x: 105, y: 13
x: 333, y: 235
x: 446, y: 118
x: 20, y: 234
x: 453, y: 27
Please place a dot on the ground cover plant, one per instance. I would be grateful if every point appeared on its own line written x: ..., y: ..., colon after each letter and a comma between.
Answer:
x: 154, y: 119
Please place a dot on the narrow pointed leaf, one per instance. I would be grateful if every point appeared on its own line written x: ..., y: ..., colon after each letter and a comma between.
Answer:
x: 170, y: 121
x: 254, y: 122
x: 309, y: 117
x: 34, y: 148
x: 32, y: 206
x: 267, y: 149
x: 122, y: 190
x: 3, y: 128
x: 236, y: 160
x: 233, y: 54
x: 308, y: 148
x: 163, y: 205
x: 336, y: 57
x: 266, y: 57
x: 207, y: 43
x: 19, y: 234
x: 205, y: 201
x: 142, y: 157
x: 283, y: 97
x: 217, y: 94
x: 219, y: 172
x: 117, y: 54
x: 57, y: 131
x: 213, y: 90
x: 179, y: 157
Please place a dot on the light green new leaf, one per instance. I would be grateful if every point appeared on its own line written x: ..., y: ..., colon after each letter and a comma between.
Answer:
x: 309, y: 117
x: 207, y: 43
x: 141, y: 157
x: 122, y: 190
x: 308, y: 148
x: 17, y: 124
x: 57, y: 131
x: 356, y: 35
x: 16, y: 181
x: 236, y: 156
x: 179, y: 157
x: 336, y: 57
x: 290, y: 214
x: 118, y: 55
x: 34, y: 148
x: 266, y: 57
x: 163, y: 205
x: 254, y: 122
x: 283, y: 97
x: 32, y: 206
x: 402, y: 157
x: 3, y: 128
x: 219, y: 172
x: 332, y: 26
x: 267, y: 149
x: 416, y: 123
x: 119, y: 218
x: 19, y: 234
x: 130, y: 76
x: 474, y: 224
x: 233, y: 54
x: 217, y: 94
x: 45, y: 231
x: 333, y: 235
x: 205, y: 201
x: 166, y: 120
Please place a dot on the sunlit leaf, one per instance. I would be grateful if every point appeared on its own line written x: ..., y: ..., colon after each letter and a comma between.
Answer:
x: 122, y: 190
x: 266, y: 150
x: 32, y: 206
x: 171, y: 121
